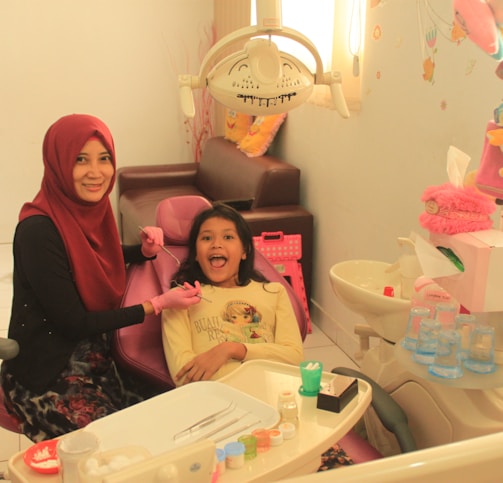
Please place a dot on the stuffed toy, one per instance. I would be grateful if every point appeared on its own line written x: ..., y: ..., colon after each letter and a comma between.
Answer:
x: 450, y: 209
x: 236, y: 125
x: 261, y: 134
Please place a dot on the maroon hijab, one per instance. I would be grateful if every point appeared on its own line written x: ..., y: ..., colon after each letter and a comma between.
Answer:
x: 89, y: 230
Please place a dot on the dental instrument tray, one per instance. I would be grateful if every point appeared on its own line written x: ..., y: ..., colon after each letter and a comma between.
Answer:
x: 201, y: 410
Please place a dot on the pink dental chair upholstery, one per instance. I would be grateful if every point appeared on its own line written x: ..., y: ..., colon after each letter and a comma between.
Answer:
x: 138, y: 348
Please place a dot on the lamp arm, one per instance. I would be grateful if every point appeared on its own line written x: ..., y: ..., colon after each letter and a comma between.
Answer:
x: 332, y: 79
x: 225, y: 42
x: 249, y: 32
x: 186, y: 83
x: 305, y: 42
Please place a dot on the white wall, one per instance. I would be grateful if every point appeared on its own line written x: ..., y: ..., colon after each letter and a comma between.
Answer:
x: 363, y: 177
x: 116, y: 59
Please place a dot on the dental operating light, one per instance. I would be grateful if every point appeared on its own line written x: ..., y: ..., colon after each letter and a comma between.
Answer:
x: 260, y: 80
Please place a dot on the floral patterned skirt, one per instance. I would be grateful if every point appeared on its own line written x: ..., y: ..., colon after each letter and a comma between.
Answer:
x: 89, y: 388
x: 334, y: 457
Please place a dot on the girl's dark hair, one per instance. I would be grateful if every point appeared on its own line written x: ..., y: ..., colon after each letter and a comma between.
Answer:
x: 190, y: 270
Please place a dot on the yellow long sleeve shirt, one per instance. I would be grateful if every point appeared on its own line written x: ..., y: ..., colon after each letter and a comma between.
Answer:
x: 258, y: 315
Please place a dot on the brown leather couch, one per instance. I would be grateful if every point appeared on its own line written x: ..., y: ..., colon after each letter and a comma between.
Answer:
x: 270, y: 186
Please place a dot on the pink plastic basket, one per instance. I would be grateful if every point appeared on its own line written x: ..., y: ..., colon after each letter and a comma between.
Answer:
x: 277, y: 246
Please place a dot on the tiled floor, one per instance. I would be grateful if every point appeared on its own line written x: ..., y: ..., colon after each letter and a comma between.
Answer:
x: 317, y: 346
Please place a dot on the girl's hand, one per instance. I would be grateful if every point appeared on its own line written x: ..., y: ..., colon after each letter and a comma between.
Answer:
x: 205, y: 365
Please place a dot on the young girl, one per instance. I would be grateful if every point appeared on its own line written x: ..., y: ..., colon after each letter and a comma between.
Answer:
x: 241, y: 316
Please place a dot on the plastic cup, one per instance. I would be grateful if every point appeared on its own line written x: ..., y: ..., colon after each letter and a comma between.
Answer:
x: 310, y: 373
x: 73, y: 448
x: 445, y: 313
x: 480, y: 358
x: 447, y: 362
x: 416, y: 314
x: 465, y: 323
x: 427, y: 340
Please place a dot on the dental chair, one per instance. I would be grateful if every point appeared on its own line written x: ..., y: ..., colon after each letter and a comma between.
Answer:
x: 138, y: 349
x: 9, y: 349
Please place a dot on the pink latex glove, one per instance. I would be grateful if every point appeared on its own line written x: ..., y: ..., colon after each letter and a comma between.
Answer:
x: 177, y: 298
x: 152, y: 239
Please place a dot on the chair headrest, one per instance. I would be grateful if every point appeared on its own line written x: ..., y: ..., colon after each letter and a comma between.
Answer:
x: 175, y: 216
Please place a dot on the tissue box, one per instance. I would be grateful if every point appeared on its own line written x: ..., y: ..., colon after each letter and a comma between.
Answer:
x: 478, y: 288
x: 337, y: 394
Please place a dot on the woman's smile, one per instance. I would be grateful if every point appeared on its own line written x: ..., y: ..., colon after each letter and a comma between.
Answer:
x: 93, y: 171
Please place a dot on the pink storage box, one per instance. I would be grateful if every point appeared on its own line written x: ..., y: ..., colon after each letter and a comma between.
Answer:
x: 478, y: 288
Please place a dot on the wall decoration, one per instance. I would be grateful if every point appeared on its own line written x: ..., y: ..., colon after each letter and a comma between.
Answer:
x: 431, y: 26
x: 376, y: 32
x: 482, y: 23
x: 201, y: 127
x: 478, y: 20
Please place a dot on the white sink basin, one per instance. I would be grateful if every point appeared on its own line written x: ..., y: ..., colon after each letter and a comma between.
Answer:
x: 359, y: 285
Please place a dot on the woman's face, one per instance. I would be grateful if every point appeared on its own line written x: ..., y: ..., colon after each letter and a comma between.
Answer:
x: 93, y: 171
x: 219, y: 251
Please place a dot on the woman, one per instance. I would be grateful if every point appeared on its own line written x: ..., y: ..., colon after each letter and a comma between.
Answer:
x: 69, y: 278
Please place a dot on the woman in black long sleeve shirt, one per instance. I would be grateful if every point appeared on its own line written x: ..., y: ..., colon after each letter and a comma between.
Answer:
x: 69, y: 278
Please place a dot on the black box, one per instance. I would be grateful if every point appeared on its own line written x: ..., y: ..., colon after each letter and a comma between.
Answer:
x: 337, y: 394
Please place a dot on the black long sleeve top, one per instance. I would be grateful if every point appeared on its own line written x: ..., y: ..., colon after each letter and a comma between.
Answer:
x: 48, y: 318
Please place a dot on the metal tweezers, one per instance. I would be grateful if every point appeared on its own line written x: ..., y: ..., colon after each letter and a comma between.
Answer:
x: 205, y: 421
x: 197, y: 295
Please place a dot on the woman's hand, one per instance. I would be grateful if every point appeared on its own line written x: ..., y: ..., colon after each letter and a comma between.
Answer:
x: 177, y: 298
x: 205, y: 365
x: 152, y: 240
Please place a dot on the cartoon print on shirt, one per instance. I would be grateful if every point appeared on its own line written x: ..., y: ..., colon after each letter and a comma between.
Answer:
x: 242, y: 322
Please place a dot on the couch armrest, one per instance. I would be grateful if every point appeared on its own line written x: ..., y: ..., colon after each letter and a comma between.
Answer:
x: 155, y: 176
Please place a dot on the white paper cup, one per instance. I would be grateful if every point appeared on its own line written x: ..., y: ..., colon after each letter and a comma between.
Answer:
x: 71, y: 449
